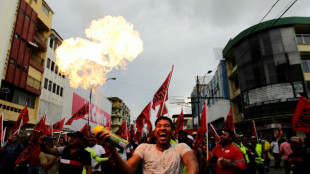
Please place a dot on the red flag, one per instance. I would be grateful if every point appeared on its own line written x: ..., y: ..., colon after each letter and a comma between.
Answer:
x: 131, y: 133
x: 301, y: 117
x: 122, y: 130
x: 202, y: 129
x: 84, y: 130
x: 229, y: 122
x: 79, y: 114
x: 254, y: 129
x: 33, y: 147
x: 50, y: 130
x: 203, y: 120
x: 140, y: 123
x: 3, y: 135
x: 149, y: 125
x: 22, y: 116
x: 57, y: 127
x: 145, y: 115
x: 161, y: 94
x: 162, y: 110
x: 180, y: 122
x: 66, y: 137
x: 216, y: 136
x: 41, y: 126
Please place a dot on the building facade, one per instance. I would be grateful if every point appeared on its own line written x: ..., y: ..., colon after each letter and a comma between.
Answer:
x: 25, y: 51
x: 214, y: 90
x: 120, y: 113
x: 267, y: 68
x: 51, y: 98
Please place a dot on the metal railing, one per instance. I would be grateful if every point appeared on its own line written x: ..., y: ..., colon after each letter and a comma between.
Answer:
x: 41, y: 37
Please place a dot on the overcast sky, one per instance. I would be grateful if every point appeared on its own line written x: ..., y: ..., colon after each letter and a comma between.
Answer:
x: 179, y: 32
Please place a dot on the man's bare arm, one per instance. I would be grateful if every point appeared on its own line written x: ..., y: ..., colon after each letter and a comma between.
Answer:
x: 190, y: 160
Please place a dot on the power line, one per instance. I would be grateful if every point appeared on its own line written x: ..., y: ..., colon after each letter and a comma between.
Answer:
x: 285, y: 10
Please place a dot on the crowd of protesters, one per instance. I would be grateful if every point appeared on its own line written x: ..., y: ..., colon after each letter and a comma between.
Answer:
x: 162, y: 151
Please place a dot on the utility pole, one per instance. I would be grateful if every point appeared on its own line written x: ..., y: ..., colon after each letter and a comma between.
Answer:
x: 198, y: 98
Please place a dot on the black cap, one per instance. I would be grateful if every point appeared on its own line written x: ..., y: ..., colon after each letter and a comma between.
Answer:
x: 76, y: 134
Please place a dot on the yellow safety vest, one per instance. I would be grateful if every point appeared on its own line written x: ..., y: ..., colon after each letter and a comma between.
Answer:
x: 258, y: 149
x: 243, y: 150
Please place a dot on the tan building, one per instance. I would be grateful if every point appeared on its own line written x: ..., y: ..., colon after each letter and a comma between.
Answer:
x: 25, y: 51
x: 120, y: 112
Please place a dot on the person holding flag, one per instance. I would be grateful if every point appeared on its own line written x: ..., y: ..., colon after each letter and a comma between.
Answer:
x: 162, y: 157
x: 229, y: 158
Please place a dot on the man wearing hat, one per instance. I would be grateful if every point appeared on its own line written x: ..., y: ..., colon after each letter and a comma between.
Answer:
x: 48, y: 162
x: 72, y: 158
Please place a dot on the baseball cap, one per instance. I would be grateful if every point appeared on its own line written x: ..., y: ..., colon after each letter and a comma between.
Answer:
x: 76, y: 134
x: 190, y: 137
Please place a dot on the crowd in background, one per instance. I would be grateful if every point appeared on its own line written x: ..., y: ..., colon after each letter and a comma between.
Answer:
x: 288, y: 154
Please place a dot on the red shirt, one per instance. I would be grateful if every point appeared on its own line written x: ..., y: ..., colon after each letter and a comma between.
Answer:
x: 231, y: 153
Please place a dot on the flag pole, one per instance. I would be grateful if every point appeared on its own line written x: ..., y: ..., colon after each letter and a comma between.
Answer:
x: 59, y: 136
x: 166, y: 91
x: 255, y: 131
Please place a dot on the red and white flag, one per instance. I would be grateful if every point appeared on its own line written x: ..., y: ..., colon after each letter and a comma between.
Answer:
x: 229, y: 122
x: 214, y: 133
x: 79, y: 114
x: 161, y: 94
x: 163, y: 110
x: 122, y: 130
x: 301, y: 117
x: 22, y: 118
x: 57, y: 127
x: 180, y: 122
x: 254, y: 132
x: 50, y: 130
x: 84, y: 130
x: 280, y: 131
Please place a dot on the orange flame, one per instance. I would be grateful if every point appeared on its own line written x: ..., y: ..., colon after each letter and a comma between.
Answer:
x: 87, y: 62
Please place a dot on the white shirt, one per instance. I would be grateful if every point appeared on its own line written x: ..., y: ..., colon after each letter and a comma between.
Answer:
x: 99, y: 151
x: 275, y: 147
x: 166, y: 162
x: 124, y: 154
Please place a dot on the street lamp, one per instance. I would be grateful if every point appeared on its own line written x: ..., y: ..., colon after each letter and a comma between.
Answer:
x: 90, y: 95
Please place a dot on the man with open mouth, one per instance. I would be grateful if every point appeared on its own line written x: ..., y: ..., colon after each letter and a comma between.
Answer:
x: 161, y: 157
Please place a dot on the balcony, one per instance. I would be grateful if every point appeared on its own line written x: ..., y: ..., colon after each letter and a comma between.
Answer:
x: 118, y: 123
x: 40, y: 40
x: 117, y: 114
x: 37, y: 62
x: 303, y: 39
x: 33, y: 85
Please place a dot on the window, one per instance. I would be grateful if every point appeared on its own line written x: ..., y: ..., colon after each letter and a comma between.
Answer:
x: 48, y: 63
x: 22, y: 11
x: 61, y: 90
x: 27, y: 17
x: 57, y: 92
x: 50, y: 85
x: 45, y: 83
x: 51, y: 43
x: 53, y: 64
x: 56, y: 69
x: 45, y: 9
x: 54, y: 87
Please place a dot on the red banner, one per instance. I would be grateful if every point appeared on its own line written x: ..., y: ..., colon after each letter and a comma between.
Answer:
x: 200, y: 136
x: 33, y: 147
x: 22, y: 116
x: 140, y: 123
x: 161, y: 94
x: 180, y: 122
x: 145, y: 115
x: 122, y: 130
x: 57, y: 127
x: 79, y: 114
x: 301, y: 117
x: 149, y: 125
x: 97, y: 116
x: 84, y: 130
x: 229, y: 122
